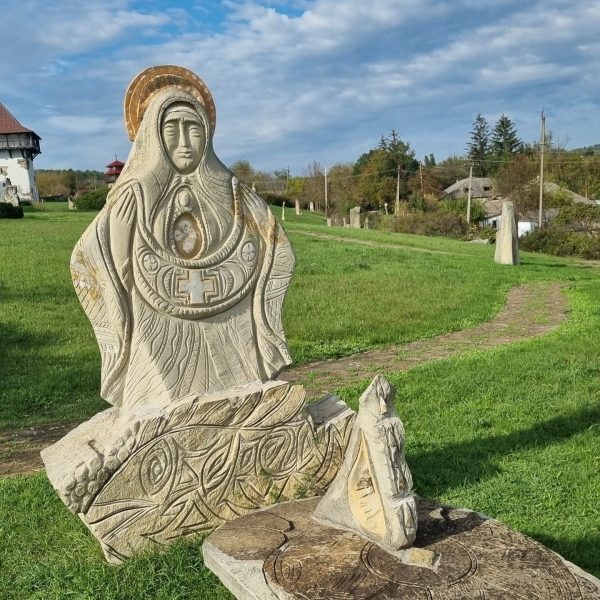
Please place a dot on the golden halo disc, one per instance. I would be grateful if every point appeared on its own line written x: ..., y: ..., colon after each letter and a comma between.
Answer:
x: 150, y: 81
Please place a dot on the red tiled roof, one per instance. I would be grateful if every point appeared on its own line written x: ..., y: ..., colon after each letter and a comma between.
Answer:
x: 8, y: 124
x: 115, y: 163
x: 113, y: 172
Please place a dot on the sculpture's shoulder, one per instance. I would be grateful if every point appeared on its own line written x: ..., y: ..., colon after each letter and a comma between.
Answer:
x: 120, y: 206
x: 265, y: 220
x: 255, y: 205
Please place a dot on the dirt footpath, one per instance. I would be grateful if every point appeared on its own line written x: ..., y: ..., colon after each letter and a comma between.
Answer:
x: 531, y: 310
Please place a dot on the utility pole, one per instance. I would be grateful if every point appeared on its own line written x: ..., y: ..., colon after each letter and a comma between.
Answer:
x: 326, y: 202
x: 541, y: 216
x: 421, y: 175
x: 469, y: 196
x: 397, y: 207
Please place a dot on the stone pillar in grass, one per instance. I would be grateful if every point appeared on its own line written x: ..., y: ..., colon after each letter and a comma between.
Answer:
x: 312, y: 207
x: 283, y: 211
x: 329, y: 222
x: 355, y: 217
x: 297, y: 207
x: 507, y: 238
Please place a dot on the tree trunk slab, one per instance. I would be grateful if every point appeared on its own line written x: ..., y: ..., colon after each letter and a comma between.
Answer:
x: 281, y: 553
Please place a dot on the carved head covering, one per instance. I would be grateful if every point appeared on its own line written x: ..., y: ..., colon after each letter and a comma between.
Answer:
x: 149, y: 162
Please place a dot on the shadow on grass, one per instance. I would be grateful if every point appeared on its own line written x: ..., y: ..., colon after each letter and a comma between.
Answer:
x: 546, y: 265
x: 16, y: 340
x: 41, y: 390
x: 439, y: 470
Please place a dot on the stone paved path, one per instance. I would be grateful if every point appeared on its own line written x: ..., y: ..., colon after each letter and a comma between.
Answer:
x: 531, y: 310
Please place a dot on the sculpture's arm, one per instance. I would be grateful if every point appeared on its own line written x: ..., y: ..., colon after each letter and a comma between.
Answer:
x: 97, y: 267
x: 122, y: 226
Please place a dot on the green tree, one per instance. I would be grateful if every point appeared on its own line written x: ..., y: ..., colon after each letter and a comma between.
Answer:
x: 516, y: 181
x: 294, y: 187
x: 451, y: 170
x: 243, y: 170
x: 429, y: 161
x: 377, y: 172
x: 341, y: 185
x: 479, y: 148
x: 505, y: 142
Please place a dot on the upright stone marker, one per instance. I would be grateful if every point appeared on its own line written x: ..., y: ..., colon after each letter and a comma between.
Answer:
x: 297, y: 207
x: 329, y: 222
x: 183, y: 276
x: 312, y: 206
x: 355, y: 217
x: 283, y: 211
x: 507, y: 238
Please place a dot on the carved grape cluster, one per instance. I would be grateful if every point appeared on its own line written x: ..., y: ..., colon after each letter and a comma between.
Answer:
x: 89, y: 477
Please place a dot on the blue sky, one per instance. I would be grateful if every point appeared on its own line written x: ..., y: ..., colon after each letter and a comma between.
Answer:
x: 302, y: 80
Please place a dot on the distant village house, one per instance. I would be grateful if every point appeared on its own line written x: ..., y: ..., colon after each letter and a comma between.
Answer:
x: 482, y: 189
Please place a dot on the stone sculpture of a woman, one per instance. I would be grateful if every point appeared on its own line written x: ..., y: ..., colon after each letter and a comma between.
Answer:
x: 183, y: 276
x: 184, y: 272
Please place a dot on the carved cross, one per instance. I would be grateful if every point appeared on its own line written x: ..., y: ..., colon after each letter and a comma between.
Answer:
x: 198, y: 288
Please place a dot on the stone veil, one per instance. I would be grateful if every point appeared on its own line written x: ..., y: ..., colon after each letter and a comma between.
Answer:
x: 182, y: 274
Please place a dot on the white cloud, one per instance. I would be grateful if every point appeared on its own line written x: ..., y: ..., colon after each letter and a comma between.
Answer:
x: 310, y: 79
x: 74, y: 124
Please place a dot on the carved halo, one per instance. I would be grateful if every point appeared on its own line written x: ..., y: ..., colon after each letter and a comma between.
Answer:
x: 145, y: 86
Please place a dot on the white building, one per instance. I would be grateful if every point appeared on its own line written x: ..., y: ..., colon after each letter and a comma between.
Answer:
x: 528, y: 222
x: 18, y: 147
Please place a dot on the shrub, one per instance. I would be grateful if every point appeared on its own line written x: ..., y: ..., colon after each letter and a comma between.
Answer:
x: 487, y: 233
x: 8, y: 211
x: 277, y: 199
x: 459, y: 207
x: 91, y: 200
x: 561, y: 242
x: 433, y: 224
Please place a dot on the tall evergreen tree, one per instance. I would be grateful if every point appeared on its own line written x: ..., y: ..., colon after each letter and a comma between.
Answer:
x: 505, y: 142
x: 479, y: 148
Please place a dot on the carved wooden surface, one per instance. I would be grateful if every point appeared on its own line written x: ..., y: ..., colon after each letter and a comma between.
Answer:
x: 476, y: 558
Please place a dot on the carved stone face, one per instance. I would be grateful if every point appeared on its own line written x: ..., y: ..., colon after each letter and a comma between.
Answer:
x: 184, y: 138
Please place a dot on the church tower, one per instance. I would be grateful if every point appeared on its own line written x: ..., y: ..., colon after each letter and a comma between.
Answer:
x: 18, y: 147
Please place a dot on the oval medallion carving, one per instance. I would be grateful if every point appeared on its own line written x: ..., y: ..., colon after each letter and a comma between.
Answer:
x: 188, y: 238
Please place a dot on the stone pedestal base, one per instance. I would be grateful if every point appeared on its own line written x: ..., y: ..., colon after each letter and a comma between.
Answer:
x: 148, y: 476
x: 281, y: 553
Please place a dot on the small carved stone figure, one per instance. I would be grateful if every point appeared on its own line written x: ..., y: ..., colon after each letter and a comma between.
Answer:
x: 372, y: 493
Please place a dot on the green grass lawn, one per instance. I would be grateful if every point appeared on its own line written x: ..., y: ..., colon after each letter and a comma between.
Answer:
x: 512, y: 432
x: 344, y: 298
